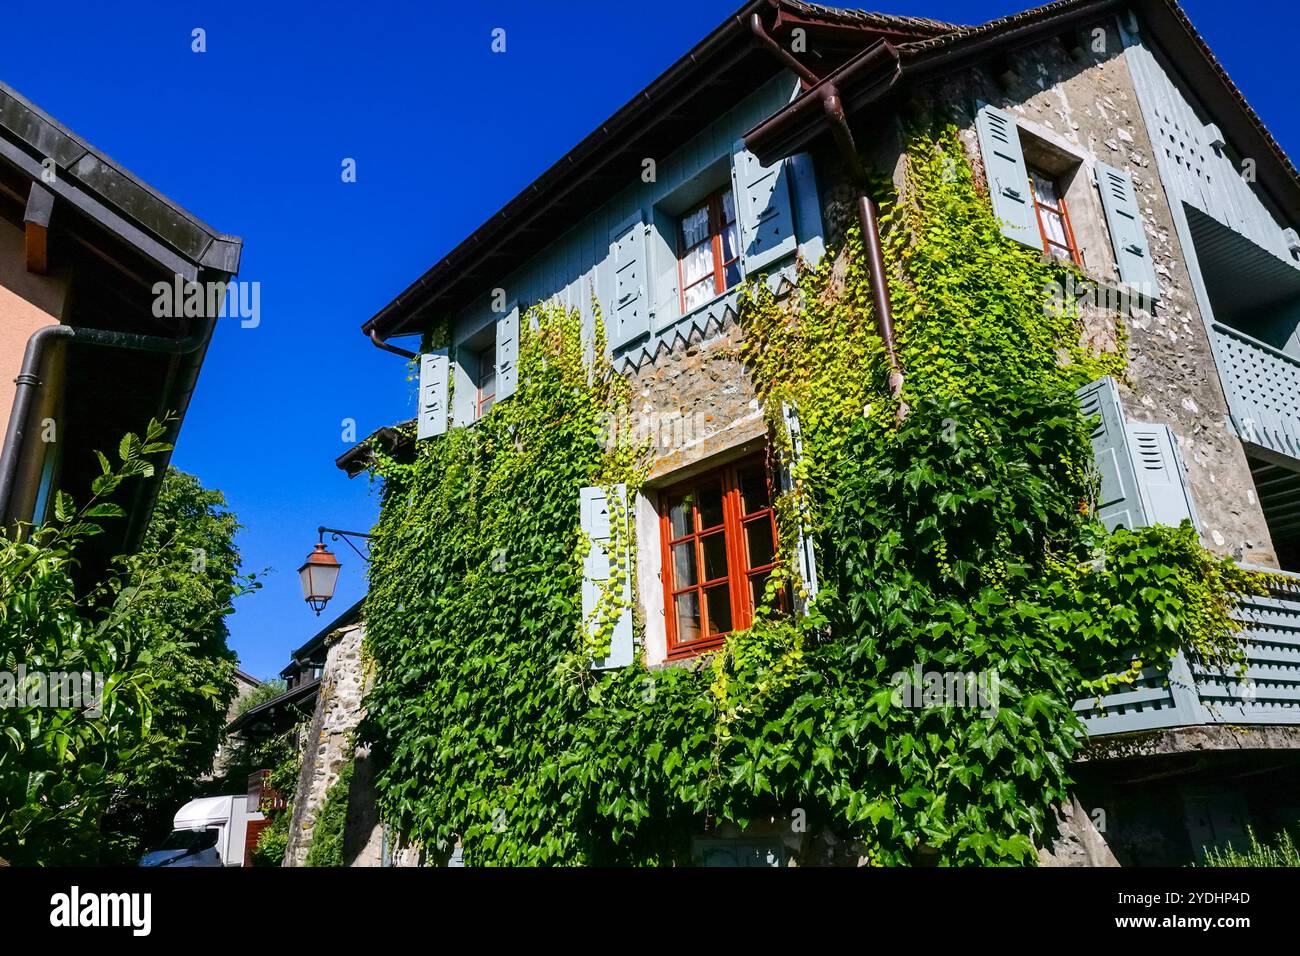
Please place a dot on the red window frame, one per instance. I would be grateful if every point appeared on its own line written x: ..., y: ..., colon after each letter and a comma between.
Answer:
x: 1072, y: 248
x: 718, y: 223
x: 734, y: 527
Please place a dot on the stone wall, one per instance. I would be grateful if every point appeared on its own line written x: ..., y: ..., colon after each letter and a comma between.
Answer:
x: 329, y: 746
x: 1085, y: 103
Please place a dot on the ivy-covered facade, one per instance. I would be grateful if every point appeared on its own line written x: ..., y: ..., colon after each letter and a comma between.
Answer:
x: 874, y: 445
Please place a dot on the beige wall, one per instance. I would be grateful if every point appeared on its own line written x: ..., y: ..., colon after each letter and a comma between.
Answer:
x: 27, y: 302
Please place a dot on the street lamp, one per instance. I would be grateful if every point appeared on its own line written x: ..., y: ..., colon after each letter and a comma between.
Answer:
x: 320, y: 572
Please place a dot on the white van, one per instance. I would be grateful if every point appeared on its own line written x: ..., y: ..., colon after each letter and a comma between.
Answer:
x: 208, y: 832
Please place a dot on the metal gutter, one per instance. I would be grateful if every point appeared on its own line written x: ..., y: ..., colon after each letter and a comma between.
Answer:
x: 29, y: 380
x: 827, y: 95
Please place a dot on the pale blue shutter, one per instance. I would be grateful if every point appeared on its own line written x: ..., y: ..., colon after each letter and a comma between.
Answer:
x: 1004, y: 165
x: 507, y: 357
x: 1129, y: 239
x: 803, y: 546
x: 1162, y: 476
x: 464, y: 397
x: 432, y: 414
x: 1119, y: 503
x: 595, y: 518
x: 763, y: 212
x: 808, y: 208
x: 631, y: 313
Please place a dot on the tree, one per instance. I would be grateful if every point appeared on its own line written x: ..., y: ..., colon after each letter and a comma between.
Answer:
x: 190, y: 545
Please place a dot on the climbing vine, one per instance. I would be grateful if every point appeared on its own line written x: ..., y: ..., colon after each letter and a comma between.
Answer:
x: 953, y: 533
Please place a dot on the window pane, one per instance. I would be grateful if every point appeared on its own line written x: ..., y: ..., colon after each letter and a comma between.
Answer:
x: 1053, y: 226
x: 683, y: 564
x: 731, y: 274
x: 730, y: 243
x: 710, y: 505
x: 714, y: 547
x: 487, y: 379
x: 728, y: 207
x: 699, y: 294
x: 758, y: 535
x: 719, y: 604
x: 1045, y: 189
x: 697, y: 264
x: 687, y: 609
x: 681, y: 517
x: 757, y: 585
x: 695, y: 227
x: 753, y: 488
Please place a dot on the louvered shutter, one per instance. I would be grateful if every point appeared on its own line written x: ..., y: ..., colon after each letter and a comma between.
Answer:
x: 599, y: 565
x: 1119, y: 502
x: 763, y: 211
x: 1127, y: 237
x: 1004, y: 165
x: 631, y: 312
x: 1162, y: 475
x: 808, y: 208
x: 507, y: 357
x: 432, y: 415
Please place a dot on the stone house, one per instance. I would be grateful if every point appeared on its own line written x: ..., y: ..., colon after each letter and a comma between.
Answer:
x: 1106, y: 133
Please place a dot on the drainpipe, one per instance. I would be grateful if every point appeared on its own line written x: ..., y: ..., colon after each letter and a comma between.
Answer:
x: 868, y: 217
x: 381, y: 344
x: 29, y: 380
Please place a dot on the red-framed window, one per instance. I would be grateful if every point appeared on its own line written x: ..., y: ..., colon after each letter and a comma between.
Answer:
x: 487, y: 380
x: 708, y: 250
x: 718, y: 536
x: 1053, y: 216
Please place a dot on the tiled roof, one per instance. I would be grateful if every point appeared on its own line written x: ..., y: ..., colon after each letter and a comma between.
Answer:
x: 866, y: 18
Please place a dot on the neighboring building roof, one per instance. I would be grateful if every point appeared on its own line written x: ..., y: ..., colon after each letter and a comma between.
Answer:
x: 310, y: 652
x: 391, y: 438
x: 268, y: 709
x: 247, y: 679
x: 128, y: 206
x: 729, y: 63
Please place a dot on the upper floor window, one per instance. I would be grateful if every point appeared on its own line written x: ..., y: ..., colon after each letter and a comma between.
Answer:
x: 487, y: 380
x: 708, y: 245
x: 718, y: 534
x: 1053, y: 216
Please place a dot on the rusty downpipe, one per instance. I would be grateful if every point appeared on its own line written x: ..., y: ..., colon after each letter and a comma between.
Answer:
x: 868, y: 214
x: 381, y: 344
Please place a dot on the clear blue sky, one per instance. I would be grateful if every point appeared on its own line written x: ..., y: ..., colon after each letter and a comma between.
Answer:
x: 250, y: 136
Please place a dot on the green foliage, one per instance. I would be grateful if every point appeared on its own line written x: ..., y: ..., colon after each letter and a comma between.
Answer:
x: 267, y: 690
x: 1281, y: 852
x: 56, y: 764
x: 189, y: 553
x: 282, y: 755
x: 953, y: 534
x: 327, y: 834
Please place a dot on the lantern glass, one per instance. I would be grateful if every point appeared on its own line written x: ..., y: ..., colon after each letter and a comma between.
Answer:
x: 318, y: 575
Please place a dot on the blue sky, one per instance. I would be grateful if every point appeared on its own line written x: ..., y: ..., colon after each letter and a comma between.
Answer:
x: 250, y: 136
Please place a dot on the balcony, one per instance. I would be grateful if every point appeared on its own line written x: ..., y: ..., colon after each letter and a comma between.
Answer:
x: 1186, y: 694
